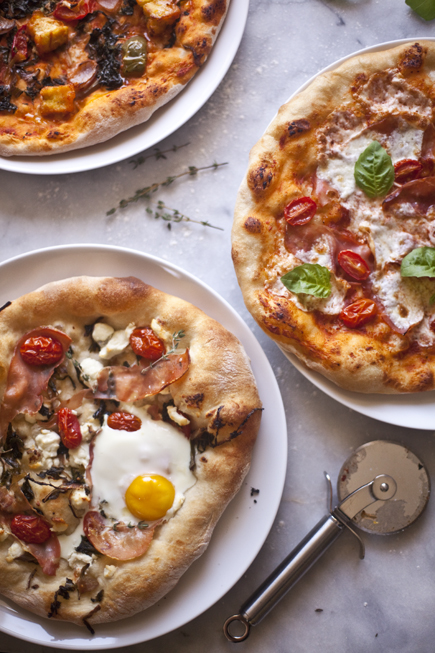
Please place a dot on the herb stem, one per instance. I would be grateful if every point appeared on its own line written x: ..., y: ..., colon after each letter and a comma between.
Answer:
x: 176, y: 216
x: 157, y: 154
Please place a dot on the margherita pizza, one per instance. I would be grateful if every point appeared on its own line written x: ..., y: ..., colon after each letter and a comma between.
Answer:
x: 127, y: 422
x: 77, y: 72
x: 334, y: 232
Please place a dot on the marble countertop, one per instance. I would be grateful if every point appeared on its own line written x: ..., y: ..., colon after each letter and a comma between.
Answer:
x: 387, y: 601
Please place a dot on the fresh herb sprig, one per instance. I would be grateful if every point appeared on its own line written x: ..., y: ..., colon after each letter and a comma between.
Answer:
x: 176, y: 337
x: 169, y: 214
x: 424, y: 8
x: 145, y: 193
x: 157, y: 154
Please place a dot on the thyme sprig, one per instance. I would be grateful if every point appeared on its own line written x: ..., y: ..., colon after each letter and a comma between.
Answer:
x: 145, y: 193
x: 176, y: 337
x: 157, y: 154
x: 173, y: 215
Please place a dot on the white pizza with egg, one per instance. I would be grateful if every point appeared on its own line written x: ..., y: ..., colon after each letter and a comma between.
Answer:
x: 74, y: 73
x: 334, y: 230
x: 127, y: 421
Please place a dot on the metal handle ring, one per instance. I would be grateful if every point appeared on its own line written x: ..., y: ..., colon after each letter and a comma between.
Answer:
x: 236, y: 638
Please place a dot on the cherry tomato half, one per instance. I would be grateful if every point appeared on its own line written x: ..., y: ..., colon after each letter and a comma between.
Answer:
x: 145, y: 343
x: 30, y: 528
x: 123, y: 421
x: 300, y: 211
x: 41, y: 350
x: 358, y: 313
x: 69, y: 428
x: 407, y: 170
x: 20, y: 44
x: 69, y: 11
x: 353, y: 264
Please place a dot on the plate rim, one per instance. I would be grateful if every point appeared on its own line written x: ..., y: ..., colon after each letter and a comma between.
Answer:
x: 232, y: 30
x: 103, y: 642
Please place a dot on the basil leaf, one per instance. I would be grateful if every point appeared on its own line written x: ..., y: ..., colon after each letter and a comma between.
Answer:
x: 374, y: 171
x: 424, y: 8
x: 419, y: 263
x: 309, y: 278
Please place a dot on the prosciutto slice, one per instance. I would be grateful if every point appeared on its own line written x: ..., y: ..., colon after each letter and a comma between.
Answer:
x: 420, y: 193
x: 47, y: 554
x: 26, y: 383
x: 133, y: 383
x: 124, y: 543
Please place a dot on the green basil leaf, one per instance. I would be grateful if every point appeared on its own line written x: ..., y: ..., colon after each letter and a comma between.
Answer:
x: 424, y: 8
x: 309, y: 278
x: 374, y: 170
x: 419, y: 263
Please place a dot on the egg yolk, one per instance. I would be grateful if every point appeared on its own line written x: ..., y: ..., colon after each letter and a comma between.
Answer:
x: 150, y: 496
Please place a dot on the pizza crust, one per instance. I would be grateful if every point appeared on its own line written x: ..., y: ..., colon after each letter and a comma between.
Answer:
x: 217, y: 393
x: 108, y: 113
x: 370, y: 360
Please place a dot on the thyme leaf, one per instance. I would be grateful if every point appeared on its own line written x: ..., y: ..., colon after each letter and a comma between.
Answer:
x: 157, y: 154
x: 176, y: 337
x: 169, y: 214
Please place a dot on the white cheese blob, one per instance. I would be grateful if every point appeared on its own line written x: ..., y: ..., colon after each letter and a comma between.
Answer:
x: 90, y: 371
x: 117, y: 343
x: 79, y: 456
x: 102, y: 332
x: 401, y: 299
x: 121, y: 456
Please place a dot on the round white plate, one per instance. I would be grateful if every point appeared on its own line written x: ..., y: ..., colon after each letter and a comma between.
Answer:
x: 163, y: 123
x: 244, y: 526
x: 414, y: 410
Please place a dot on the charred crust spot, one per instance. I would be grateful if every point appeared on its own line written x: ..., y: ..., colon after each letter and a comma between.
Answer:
x: 199, y: 51
x: 253, y: 225
x: 413, y: 59
x: 215, y: 10
x: 203, y: 459
x: 360, y: 79
x: 194, y: 401
x: 259, y: 179
x: 297, y: 127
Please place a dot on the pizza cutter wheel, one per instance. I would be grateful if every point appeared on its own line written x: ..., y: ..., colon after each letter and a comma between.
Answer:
x: 382, y: 487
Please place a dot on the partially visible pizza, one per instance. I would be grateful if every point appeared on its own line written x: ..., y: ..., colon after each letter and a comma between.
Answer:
x: 77, y: 72
x: 127, y: 422
x: 334, y: 231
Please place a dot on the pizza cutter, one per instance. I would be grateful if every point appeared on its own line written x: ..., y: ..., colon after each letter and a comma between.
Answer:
x: 382, y: 488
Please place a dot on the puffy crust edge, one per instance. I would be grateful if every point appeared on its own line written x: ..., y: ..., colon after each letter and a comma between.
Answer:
x: 219, y: 371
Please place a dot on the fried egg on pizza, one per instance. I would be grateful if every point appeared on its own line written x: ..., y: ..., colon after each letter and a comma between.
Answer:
x: 127, y: 423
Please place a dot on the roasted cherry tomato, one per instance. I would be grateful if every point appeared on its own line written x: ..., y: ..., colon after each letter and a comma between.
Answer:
x: 358, y: 313
x: 69, y: 428
x: 69, y: 11
x: 123, y: 421
x: 145, y: 343
x: 407, y: 170
x: 353, y: 264
x: 30, y: 528
x: 20, y: 44
x: 41, y: 350
x: 300, y: 211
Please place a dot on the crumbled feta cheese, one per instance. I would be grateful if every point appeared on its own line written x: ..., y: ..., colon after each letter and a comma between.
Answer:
x: 79, y: 456
x: 161, y: 333
x: 101, y: 333
x: 30, y: 419
x: 89, y: 429
x: 77, y: 559
x: 177, y: 417
x: 90, y: 371
x: 48, y: 443
x: 117, y: 343
x: 109, y: 571
x: 79, y: 499
x: 14, y: 551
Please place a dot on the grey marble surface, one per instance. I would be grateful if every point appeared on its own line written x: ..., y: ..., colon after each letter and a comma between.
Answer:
x: 386, y: 602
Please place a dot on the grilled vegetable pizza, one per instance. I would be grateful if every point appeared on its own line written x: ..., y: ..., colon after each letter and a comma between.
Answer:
x: 77, y: 72
x: 334, y: 231
x: 127, y: 422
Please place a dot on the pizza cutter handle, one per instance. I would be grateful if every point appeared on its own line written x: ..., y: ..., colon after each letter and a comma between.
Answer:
x: 285, y: 576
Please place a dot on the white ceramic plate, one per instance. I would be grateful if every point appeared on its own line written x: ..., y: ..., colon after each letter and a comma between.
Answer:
x: 244, y: 526
x: 414, y: 411
x: 163, y: 123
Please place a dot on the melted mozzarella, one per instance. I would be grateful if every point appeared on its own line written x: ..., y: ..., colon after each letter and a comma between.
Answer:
x: 401, y: 299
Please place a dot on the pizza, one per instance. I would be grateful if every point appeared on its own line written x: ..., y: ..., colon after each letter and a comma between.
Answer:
x: 127, y: 422
x: 75, y: 73
x: 334, y: 229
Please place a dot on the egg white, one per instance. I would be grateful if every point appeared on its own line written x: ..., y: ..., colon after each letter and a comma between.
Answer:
x: 120, y: 456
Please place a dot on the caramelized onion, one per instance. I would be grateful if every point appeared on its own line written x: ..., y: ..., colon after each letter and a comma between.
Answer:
x: 6, y: 25
x: 110, y: 5
x: 84, y: 74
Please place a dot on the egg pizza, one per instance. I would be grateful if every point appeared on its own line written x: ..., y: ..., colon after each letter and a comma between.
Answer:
x: 127, y: 422
x: 334, y: 230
